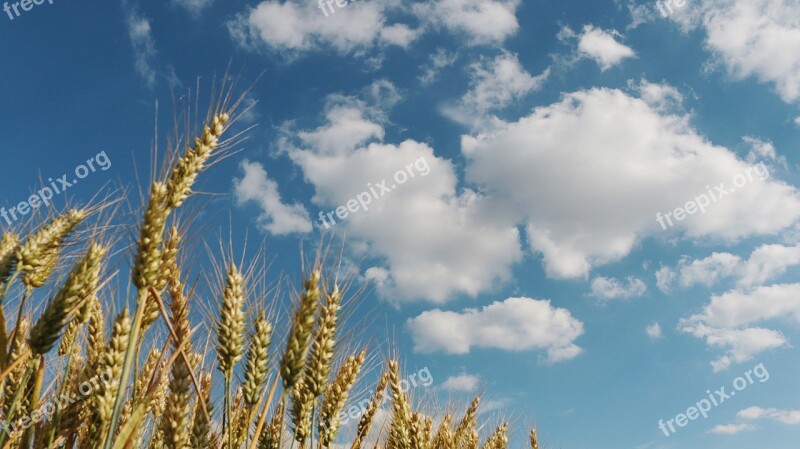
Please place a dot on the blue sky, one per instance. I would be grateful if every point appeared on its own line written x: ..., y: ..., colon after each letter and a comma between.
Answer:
x: 523, y: 260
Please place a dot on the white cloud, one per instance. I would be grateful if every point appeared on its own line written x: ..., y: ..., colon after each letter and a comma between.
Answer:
x: 144, y: 46
x: 660, y: 96
x: 463, y: 382
x: 495, y: 84
x: 738, y: 308
x: 610, y: 288
x: 765, y: 263
x: 731, y: 429
x: 482, y: 21
x: 707, y: 271
x: 665, y: 277
x: 741, y: 345
x: 643, y: 162
x: 294, y: 27
x: 640, y: 13
x: 788, y: 417
x: 601, y: 46
x: 195, y: 7
x: 654, y: 331
x: 797, y: 121
x: 754, y: 38
x: 428, y: 239
x: 277, y: 217
x: 516, y: 324
x: 763, y: 150
x: 436, y: 62
x: 726, y: 321
x: 347, y: 127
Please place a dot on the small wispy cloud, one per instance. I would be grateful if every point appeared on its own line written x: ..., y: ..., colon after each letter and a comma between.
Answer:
x: 610, y: 288
x: 140, y: 34
x: 654, y: 331
x: 463, y: 382
x: 194, y: 7
x: 731, y: 429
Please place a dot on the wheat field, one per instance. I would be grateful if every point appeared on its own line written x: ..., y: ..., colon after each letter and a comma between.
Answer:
x: 140, y: 377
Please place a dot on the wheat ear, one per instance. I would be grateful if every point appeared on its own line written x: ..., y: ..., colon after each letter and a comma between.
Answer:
x: 37, y: 257
x: 230, y: 337
x: 336, y: 397
x: 201, y: 428
x: 299, y: 340
x: 81, y: 283
x: 111, y: 368
x: 256, y: 368
x: 8, y: 248
x: 367, y: 418
x: 400, y: 427
x: 319, y: 364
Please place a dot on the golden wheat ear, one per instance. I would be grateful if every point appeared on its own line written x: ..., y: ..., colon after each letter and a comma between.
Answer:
x: 322, y: 348
x: 81, y: 283
x: 8, y: 248
x: 299, y: 340
x: 257, y: 365
x: 365, y: 423
x: 201, y: 428
x: 38, y: 255
x: 534, y: 439
x: 336, y: 397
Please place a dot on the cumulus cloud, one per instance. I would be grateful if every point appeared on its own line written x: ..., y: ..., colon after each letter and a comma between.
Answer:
x: 641, y: 163
x: 429, y: 240
x: 765, y: 263
x: 660, y: 96
x: 295, y: 27
x: 707, y: 271
x: 599, y: 45
x: 654, y: 331
x: 495, y: 84
x: 481, y: 21
x: 726, y: 322
x: 463, y: 382
x: 740, y: 345
x: 610, y: 288
x: 436, y: 237
x: 738, y: 308
x: 788, y: 417
x: 756, y: 38
x: 276, y: 217
x: 515, y: 324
